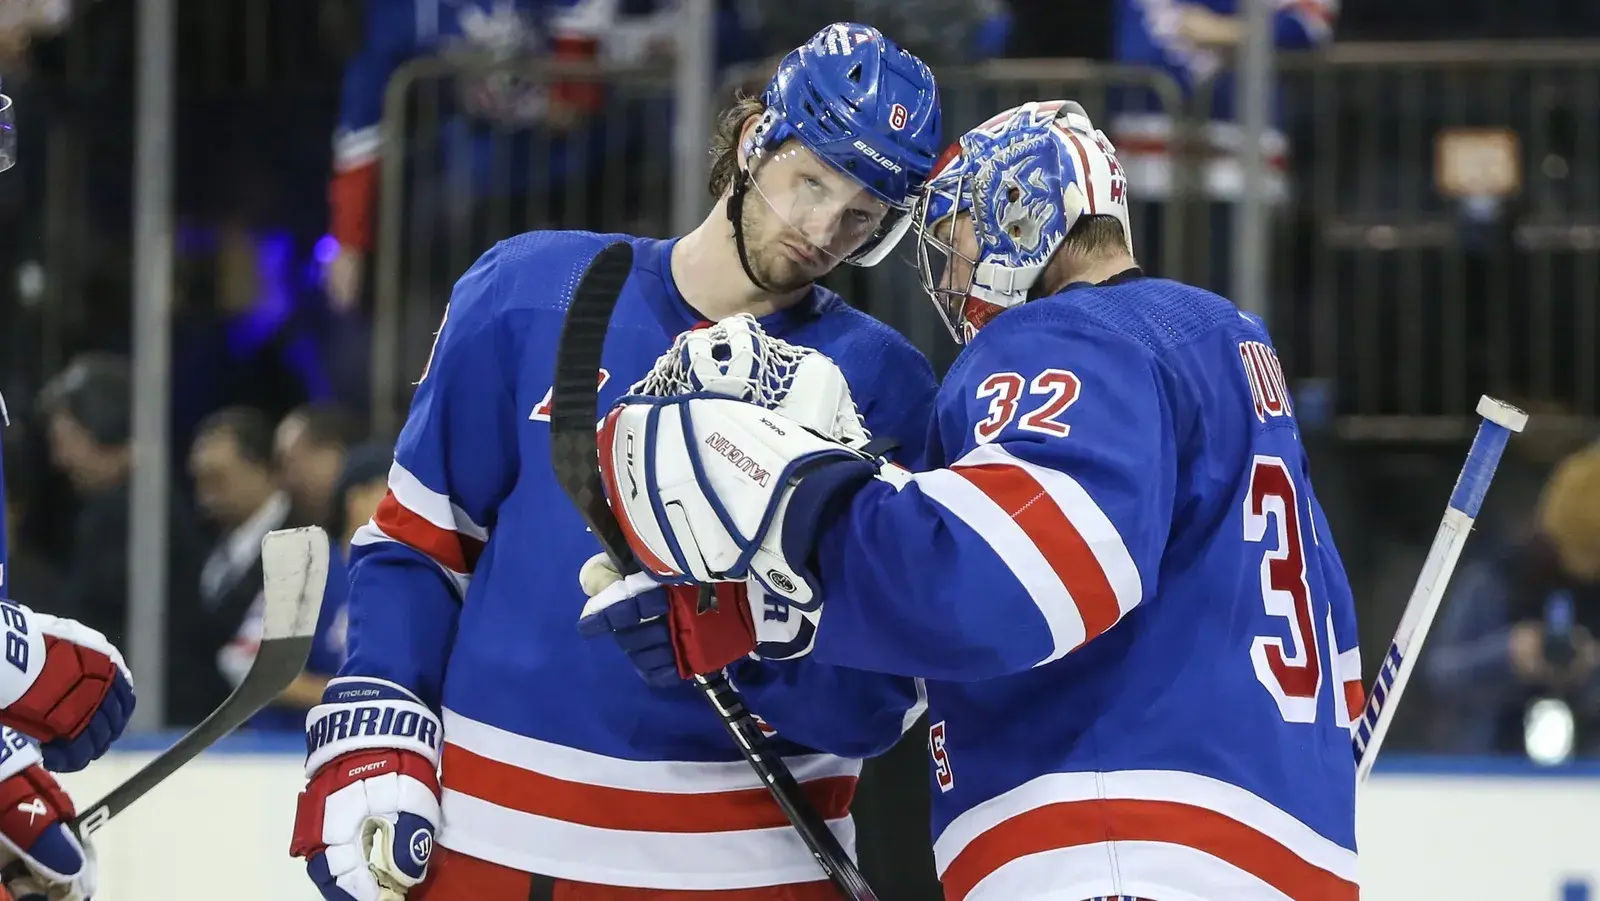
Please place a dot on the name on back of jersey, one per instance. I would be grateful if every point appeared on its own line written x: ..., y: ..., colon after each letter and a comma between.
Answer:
x: 1268, y: 391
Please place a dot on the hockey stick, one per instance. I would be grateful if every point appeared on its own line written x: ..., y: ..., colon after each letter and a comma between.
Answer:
x: 294, y: 563
x: 574, y: 410
x: 1500, y: 419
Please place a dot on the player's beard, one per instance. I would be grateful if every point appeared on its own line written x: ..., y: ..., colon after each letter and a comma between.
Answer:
x: 775, y: 265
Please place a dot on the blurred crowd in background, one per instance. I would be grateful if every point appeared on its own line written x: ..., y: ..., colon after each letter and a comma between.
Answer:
x: 277, y: 421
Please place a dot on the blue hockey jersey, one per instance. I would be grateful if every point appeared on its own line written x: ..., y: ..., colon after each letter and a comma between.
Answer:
x: 1139, y: 640
x: 1147, y: 34
x: 480, y: 111
x: 559, y: 759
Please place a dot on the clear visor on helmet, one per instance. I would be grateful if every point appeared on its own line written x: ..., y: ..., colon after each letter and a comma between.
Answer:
x: 828, y: 215
x: 8, y: 135
x: 947, y: 250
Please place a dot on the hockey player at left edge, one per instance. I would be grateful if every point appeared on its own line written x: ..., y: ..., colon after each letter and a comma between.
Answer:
x: 65, y: 696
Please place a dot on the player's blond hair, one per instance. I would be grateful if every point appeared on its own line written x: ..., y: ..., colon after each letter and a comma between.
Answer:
x: 1569, y: 512
x: 725, y: 142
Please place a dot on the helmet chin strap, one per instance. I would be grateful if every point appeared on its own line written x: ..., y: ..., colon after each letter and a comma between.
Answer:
x: 741, y: 186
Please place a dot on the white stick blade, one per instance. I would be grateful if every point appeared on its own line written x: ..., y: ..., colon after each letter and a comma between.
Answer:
x: 294, y: 565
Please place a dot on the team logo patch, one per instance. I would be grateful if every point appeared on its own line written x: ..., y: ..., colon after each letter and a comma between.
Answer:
x: 421, y: 847
x: 780, y: 581
x: 898, y: 116
x: 34, y: 808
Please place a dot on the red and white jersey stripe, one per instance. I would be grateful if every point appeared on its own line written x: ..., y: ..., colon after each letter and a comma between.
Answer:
x: 1050, y: 534
x: 1164, y: 834
x: 545, y: 808
x: 423, y: 519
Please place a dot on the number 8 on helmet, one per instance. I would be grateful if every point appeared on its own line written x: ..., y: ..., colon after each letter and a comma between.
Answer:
x: 847, y: 135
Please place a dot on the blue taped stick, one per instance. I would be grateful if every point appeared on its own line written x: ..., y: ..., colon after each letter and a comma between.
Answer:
x: 1499, y: 421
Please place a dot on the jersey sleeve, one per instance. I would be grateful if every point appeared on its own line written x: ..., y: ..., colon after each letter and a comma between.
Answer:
x: 841, y: 711
x: 833, y: 709
x: 455, y: 462
x: 1304, y: 24
x: 1039, y: 538
x: 897, y: 402
x: 390, y: 37
x: 1350, y: 697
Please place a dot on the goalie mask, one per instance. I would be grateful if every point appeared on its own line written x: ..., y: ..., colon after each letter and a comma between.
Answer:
x: 840, y: 154
x: 1002, y: 200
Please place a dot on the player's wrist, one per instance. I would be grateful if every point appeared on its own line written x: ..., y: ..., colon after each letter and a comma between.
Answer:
x: 817, y: 501
x: 22, y: 654
x: 360, y: 714
x: 17, y: 753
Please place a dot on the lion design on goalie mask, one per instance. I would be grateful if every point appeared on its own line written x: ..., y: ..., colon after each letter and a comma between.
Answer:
x: 1018, y: 195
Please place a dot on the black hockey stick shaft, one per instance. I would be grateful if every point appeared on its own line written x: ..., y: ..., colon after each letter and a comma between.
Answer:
x: 574, y: 410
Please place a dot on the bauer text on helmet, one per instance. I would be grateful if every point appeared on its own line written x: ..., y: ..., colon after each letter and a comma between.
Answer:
x: 839, y: 156
x: 1002, y: 200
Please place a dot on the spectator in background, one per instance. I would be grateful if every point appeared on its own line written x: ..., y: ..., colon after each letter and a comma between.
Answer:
x: 28, y: 577
x: 237, y: 491
x: 357, y: 489
x: 395, y: 31
x: 310, y: 445
x: 88, y: 407
x: 1195, y: 42
x: 363, y: 482
x: 940, y: 32
x: 1523, y: 625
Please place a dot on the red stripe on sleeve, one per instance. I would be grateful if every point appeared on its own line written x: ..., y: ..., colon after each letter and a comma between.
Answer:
x: 1355, y: 698
x: 449, y: 548
x: 352, y: 197
x: 1033, y: 509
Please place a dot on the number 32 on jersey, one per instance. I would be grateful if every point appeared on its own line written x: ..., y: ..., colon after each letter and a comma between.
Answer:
x: 1046, y: 396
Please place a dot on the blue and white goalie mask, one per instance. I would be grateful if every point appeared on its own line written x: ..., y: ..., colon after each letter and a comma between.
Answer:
x: 1002, y: 200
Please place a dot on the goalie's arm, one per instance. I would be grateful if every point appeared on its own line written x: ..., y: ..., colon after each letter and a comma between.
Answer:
x: 1031, y: 544
x: 455, y: 461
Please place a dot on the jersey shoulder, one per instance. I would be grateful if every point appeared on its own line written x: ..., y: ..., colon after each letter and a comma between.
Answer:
x: 1159, y: 314
x: 850, y: 332
x: 870, y: 352
x: 1138, y: 322
x: 539, y: 270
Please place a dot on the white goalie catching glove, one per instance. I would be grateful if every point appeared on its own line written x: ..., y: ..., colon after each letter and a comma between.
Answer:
x: 702, y: 461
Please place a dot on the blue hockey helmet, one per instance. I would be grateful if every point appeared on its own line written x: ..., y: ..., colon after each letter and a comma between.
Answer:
x: 1025, y: 178
x: 867, y: 107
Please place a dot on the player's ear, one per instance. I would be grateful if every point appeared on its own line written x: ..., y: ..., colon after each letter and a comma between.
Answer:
x: 749, y: 126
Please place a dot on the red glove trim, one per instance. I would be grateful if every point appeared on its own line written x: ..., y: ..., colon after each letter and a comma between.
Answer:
x: 63, y: 699
x: 31, y: 802
x: 341, y: 772
x: 707, y: 642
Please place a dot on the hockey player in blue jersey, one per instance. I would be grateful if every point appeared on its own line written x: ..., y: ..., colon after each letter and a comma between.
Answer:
x: 65, y: 696
x: 560, y: 772
x: 1138, y: 637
